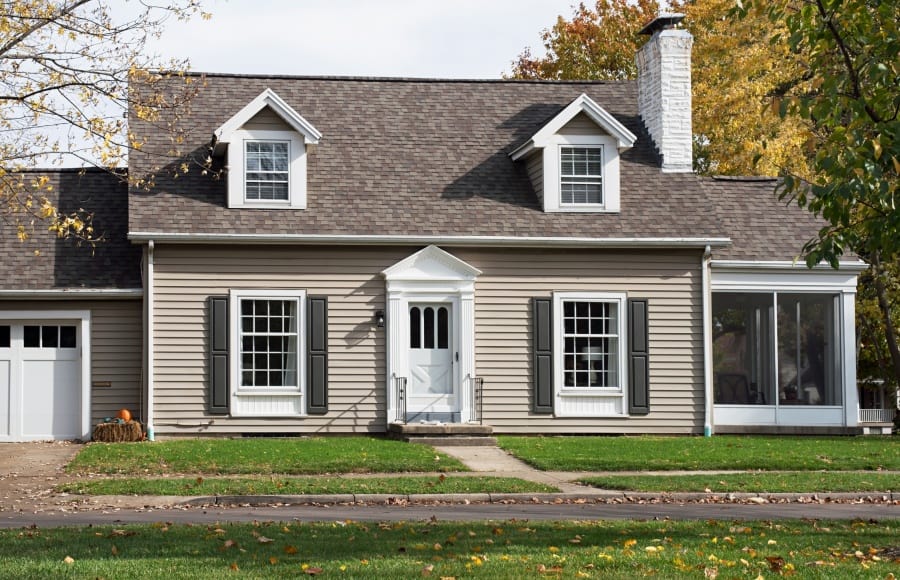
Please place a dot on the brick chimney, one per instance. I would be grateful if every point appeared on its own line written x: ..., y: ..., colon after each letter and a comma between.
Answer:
x: 664, y: 90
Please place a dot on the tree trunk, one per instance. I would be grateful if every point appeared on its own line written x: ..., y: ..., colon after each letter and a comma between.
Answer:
x: 890, y: 332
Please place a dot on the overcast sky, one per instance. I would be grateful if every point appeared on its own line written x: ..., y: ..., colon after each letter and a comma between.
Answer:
x: 413, y: 38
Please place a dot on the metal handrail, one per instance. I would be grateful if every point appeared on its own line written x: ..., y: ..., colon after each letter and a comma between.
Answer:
x: 478, y: 400
x: 400, y: 398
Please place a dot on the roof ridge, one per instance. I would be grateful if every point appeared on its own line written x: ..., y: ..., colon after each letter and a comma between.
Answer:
x: 389, y: 79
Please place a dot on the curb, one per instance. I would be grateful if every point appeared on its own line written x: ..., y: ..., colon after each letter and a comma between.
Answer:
x: 599, y: 496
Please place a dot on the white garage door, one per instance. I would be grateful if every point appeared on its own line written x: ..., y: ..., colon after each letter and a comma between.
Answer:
x: 40, y: 380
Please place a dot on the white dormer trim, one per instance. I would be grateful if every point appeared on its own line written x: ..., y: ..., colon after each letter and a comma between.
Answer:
x: 300, y: 136
x: 624, y: 138
x: 611, y: 137
x: 225, y: 133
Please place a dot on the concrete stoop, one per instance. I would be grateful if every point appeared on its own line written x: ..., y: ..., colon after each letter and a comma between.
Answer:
x: 443, y: 434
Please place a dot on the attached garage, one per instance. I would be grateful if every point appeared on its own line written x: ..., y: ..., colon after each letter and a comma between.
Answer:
x: 44, y: 375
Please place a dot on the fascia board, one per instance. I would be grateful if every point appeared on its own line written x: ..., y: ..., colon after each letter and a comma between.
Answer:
x: 450, y: 240
x: 268, y: 98
x: 584, y: 104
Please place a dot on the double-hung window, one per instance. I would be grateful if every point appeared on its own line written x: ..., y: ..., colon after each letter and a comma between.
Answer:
x: 267, y: 170
x: 590, y: 348
x: 268, y: 352
x: 581, y: 175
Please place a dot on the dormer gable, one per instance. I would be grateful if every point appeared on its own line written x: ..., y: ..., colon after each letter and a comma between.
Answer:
x: 266, y: 144
x: 573, y: 159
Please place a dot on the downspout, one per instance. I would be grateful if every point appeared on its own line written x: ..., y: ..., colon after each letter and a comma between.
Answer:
x: 149, y: 298
x: 707, y: 343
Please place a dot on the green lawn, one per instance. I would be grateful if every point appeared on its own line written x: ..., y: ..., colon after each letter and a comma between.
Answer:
x: 260, y: 456
x: 512, y: 549
x: 791, y: 453
x: 800, y: 482
x: 303, y: 485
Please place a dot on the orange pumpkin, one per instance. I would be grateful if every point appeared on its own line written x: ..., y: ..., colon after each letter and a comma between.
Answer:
x: 124, y: 414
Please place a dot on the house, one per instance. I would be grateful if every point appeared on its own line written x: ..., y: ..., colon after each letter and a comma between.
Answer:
x: 537, y: 257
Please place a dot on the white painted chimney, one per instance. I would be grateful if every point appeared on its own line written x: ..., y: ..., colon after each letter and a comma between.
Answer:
x: 664, y: 90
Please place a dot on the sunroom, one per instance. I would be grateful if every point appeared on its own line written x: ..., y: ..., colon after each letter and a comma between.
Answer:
x: 783, y: 347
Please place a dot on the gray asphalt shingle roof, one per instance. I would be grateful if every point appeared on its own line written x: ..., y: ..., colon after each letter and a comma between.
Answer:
x: 60, y: 263
x: 430, y: 157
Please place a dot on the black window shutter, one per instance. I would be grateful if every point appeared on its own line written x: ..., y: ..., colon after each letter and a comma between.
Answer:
x: 542, y: 310
x: 218, y: 355
x: 638, y: 358
x: 317, y: 355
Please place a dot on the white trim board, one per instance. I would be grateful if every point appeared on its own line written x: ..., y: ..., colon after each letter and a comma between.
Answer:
x: 84, y: 317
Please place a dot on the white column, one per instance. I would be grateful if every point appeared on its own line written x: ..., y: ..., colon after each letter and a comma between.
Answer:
x: 848, y: 350
x: 396, y: 331
x: 467, y: 352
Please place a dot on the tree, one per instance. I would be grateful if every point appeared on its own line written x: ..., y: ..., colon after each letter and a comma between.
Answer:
x: 851, y: 105
x: 595, y: 44
x: 65, y: 69
x: 735, y: 71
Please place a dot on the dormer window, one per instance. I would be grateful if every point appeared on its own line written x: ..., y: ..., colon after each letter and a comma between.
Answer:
x: 573, y: 160
x: 266, y: 144
x: 581, y: 175
x: 267, y: 174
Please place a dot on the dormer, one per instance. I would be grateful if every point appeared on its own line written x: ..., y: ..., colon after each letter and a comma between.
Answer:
x: 266, y: 144
x: 573, y: 160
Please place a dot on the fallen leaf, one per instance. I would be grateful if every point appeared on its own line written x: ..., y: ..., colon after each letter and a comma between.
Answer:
x: 264, y: 540
x: 711, y: 573
x: 69, y: 560
x: 273, y: 560
x: 427, y: 570
x: 290, y: 549
x: 776, y: 563
x: 313, y: 571
x: 230, y: 543
x: 234, y: 566
x: 115, y: 550
x: 629, y: 543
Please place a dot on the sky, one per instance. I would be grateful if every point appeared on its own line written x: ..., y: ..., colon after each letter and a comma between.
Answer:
x: 407, y: 38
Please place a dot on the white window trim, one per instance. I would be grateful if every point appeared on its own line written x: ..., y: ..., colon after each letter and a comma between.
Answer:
x: 590, y: 402
x: 610, y: 173
x: 296, y: 169
x: 568, y: 205
x: 266, y: 401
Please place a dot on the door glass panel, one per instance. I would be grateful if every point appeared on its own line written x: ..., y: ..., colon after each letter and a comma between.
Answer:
x: 32, y: 337
x: 443, y: 328
x: 428, y: 323
x: 808, y: 362
x: 49, y: 336
x: 67, y: 337
x: 415, y: 328
x: 743, y: 349
x: 4, y: 336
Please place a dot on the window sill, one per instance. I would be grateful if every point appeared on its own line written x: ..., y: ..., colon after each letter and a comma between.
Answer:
x: 269, y: 204
x: 268, y: 393
x: 586, y: 208
x: 588, y: 392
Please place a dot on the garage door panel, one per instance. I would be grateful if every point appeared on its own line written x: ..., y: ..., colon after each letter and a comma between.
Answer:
x: 5, y: 370
x: 51, y: 402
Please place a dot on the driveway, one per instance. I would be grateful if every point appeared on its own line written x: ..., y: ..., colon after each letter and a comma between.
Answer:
x: 28, y: 472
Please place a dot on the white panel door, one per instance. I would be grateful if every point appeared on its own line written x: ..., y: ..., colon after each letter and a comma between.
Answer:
x: 432, y: 385
x: 40, y: 381
x: 5, y: 379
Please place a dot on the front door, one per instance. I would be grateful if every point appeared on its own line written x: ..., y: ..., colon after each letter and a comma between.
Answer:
x: 433, y: 391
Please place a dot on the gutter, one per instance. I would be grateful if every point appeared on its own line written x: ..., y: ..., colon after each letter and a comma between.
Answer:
x: 73, y: 293
x: 149, y: 330
x: 707, y: 342
x: 747, y: 265
x: 505, y: 241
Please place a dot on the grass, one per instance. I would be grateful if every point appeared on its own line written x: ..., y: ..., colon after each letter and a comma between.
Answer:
x: 513, y: 549
x: 301, y: 456
x: 304, y: 486
x: 789, y: 453
x: 792, y: 482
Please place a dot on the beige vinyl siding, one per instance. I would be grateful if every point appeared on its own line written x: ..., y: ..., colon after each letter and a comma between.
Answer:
x: 267, y: 120
x: 535, y: 168
x: 116, y: 350
x: 580, y: 124
x: 503, y: 356
x: 185, y: 276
